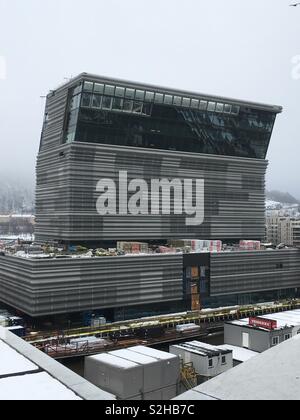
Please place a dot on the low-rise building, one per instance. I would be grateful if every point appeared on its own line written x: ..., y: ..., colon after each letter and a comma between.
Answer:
x: 207, y: 360
x: 260, y: 334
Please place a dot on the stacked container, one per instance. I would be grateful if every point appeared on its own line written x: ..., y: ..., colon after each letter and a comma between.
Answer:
x: 250, y: 245
x: 138, y: 373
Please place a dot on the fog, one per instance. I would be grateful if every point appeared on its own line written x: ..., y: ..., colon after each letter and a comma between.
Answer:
x: 248, y: 50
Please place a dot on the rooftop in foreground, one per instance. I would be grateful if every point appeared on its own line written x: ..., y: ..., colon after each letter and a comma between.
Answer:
x: 272, y: 375
x: 28, y: 374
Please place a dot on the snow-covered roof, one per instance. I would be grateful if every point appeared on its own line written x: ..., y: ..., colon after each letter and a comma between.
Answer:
x: 132, y: 356
x: 156, y: 354
x: 38, y: 386
x: 239, y: 354
x: 12, y: 362
x: 28, y: 374
x: 284, y: 319
x: 114, y: 361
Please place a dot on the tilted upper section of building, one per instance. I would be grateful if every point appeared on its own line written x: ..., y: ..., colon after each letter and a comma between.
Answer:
x: 107, y: 111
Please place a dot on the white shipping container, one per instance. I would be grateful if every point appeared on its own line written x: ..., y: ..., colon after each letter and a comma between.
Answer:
x: 115, y: 375
x: 170, y: 364
x: 165, y: 394
x: 187, y: 327
x: 152, y: 368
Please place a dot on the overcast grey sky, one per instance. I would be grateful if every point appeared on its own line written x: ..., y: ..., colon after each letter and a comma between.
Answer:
x: 226, y: 47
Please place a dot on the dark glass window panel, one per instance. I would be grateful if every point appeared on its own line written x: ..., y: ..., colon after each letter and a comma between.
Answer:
x: 235, y: 109
x: 149, y: 96
x: 127, y: 106
x: 106, y: 102
x: 120, y: 92
x: 159, y: 98
x: 147, y: 109
x: 75, y: 102
x: 109, y: 90
x: 99, y: 88
x: 137, y: 107
x: 130, y: 93
x: 174, y: 128
x: 96, y: 102
x: 168, y: 99
x: 78, y: 89
x: 88, y: 86
x: 227, y: 108
x: 177, y: 100
x: 195, y: 103
x: 140, y: 95
x: 186, y: 102
x: 117, y: 104
x: 203, y: 105
x: 211, y: 106
x: 86, y: 99
x: 220, y: 107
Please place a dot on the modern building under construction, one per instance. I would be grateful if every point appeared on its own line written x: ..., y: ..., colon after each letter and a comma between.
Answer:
x: 99, y: 130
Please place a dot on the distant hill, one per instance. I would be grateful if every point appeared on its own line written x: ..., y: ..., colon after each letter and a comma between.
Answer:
x: 281, y: 197
x: 16, y: 196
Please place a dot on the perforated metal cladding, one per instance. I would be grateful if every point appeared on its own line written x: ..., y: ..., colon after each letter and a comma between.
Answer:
x: 66, y: 194
x: 246, y: 272
x: 44, y: 287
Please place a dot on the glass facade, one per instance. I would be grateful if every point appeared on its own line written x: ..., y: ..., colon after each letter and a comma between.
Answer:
x: 118, y: 115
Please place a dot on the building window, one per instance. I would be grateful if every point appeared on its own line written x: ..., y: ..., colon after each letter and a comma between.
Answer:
x: 106, y: 103
x: 140, y: 95
x: 127, y: 106
x: 220, y: 108
x: 117, y: 104
x: 109, y: 90
x: 149, y: 96
x: 210, y: 363
x: 279, y: 266
x: 287, y: 337
x: 275, y: 341
x: 97, y: 99
x: 120, y: 92
x: 86, y: 100
x: 211, y: 106
x: 159, y: 98
x: 168, y: 100
x: 186, y: 102
x: 130, y: 93
x: 137, y: 107
x: 177, y: 100
x: 195, y: 103
x: 88, y: 86
x: 223, y: 360
x: 227, y: 109
x: 99, y: 88
x: 203, y: 105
